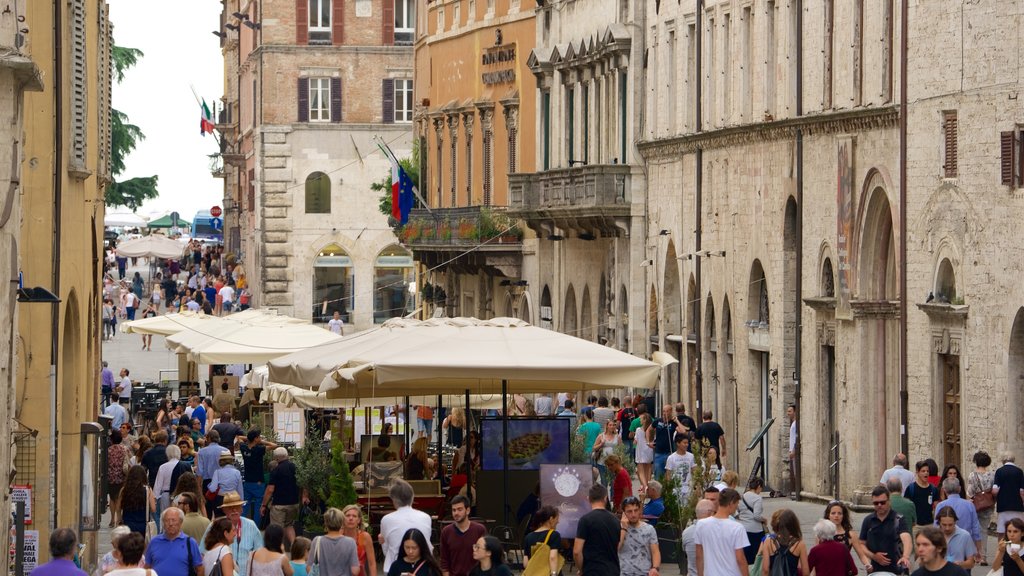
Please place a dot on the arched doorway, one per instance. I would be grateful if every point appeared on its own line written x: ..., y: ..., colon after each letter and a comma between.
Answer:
x: 546, y: 312
x: 603, y: 310
x: 710, y: 381
x: 692, y: 353
x: 878, y: 326
x: 622, y: 326
x: 570, y: 324
x: 71, y: 394
x: 1015, y: 385
x: 392, y: 276
x: 333, y: 289
x: 759, y: 351
x: 728, y: 391
x: 586, y: 322
x: 672, y: 316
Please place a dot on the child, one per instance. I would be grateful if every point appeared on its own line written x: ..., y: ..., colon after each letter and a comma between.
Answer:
x: 300, y: 549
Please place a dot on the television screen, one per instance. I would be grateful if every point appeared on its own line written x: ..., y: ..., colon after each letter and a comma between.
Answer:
x: 532, y: 442
x: 378, y: 448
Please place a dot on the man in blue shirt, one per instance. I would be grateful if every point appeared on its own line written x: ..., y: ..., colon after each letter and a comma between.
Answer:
x: 63, y: 545
x: 655, y: 506
x: 198, y: 413
x: 106, y: 381
x: 171, y: 551
x: 207, y: 462
x: 116, y: 412
x: 966, y: 515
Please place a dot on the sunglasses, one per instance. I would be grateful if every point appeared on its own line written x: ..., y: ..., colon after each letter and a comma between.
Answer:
x: 630, y: 500
x: 879, y: 502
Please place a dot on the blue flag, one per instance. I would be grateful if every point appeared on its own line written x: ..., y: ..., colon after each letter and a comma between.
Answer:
x: 406, y: 195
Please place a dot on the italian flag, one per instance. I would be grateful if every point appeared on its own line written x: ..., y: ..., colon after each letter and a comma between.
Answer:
x: 206, y: 122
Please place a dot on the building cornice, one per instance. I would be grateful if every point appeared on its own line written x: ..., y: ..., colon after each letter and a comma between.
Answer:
x: 404, y: 51
x: 840, y: 122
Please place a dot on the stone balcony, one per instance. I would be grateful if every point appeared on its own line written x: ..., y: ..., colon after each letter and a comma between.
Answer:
x: 586, y: 199
x: 465, y: 239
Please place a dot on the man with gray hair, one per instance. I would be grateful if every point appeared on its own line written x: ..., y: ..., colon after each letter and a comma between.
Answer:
x: 167, y: 476
x: 1008, y: 488
x: 655, y: 506
x: 829, y: 556
x: 394, y: 525
x: 966, y: 515
x: 704, y: 509
x: 900, y: 470
x: 281, y: 498
x: 63, y: 546
x: 899, y: 503
x: 172, y: 551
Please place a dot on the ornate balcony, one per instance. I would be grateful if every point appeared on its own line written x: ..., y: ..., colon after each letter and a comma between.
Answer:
x: 469, y: 238
x: 587, y: 199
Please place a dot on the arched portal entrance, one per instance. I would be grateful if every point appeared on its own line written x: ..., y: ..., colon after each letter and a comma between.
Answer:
x: 569, y: 317
x: 1015, y: 385
x: 332, y: 284
x: 672, y: 316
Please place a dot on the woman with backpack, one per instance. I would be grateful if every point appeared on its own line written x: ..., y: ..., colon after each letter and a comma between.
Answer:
x: 540, y: 547
x: 783, y: 552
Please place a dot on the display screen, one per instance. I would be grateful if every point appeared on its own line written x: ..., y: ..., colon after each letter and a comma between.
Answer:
x: 532, y: 442
x: 378, y: 448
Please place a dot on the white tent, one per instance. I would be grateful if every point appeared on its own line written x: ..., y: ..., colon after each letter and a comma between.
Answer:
x: 152, y: 246
x: 454, y: 355
x: 124, y: 220
x: 169, y: 323
x: 230, y: 342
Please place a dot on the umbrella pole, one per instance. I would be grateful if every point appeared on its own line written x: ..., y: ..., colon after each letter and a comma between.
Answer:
x: 408, y: 422
x: 465, y: 442
x: 440, y: 454
x: 504, y: 451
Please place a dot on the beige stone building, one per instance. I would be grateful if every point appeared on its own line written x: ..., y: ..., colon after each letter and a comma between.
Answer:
x: 475, y: 123
x: 585, y: 199
x: 312, y: 84
x: 63, y: 154
x: 793, y: 269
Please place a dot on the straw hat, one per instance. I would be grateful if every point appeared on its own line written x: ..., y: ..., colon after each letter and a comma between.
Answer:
x: 226, y: 457
x: 231, y: 500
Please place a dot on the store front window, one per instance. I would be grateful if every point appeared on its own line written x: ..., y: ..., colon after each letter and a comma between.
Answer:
x: 333, y: 283
x: 394, y: 292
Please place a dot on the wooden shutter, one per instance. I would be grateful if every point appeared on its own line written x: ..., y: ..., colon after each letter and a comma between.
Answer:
x: 1006, y: 153
x: 337, y: 22
x: 388, y: 100
x: 949, y: 129
x: 303, y: 99
x: 302, y: 22
x: 388, y: 22
x: 335, y: 99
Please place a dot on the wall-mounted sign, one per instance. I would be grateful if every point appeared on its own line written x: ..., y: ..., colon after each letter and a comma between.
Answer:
x: 499, y: 64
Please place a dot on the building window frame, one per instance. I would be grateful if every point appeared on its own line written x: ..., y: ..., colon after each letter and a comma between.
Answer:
x: 403, y: 101
x: 320, y: 21
x: 319, y: 99
x: 405, y: 22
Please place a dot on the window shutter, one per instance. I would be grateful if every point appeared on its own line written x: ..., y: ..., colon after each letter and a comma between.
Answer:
x: 949, y: 134
x: 1006, y: 150
x: 303, y: 99
x: 337, y: 22
x: 388, y: 22
x: 1019, y: 148
x: 302, y: 22
x: 335, y: 99
x: 388, y: 99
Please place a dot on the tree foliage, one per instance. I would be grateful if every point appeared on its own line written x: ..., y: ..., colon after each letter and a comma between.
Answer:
x: 124, y: 137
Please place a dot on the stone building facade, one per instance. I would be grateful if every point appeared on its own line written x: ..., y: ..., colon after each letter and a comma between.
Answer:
x: 475, y: 126
x: 793, y: 270
x: 585, y: 200
x: 316, y: 82
x: 59, y: 246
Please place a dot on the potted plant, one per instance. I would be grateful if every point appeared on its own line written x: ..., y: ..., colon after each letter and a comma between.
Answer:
x: 680, y: 512
x: 313, y: 473
x: 343, y: 491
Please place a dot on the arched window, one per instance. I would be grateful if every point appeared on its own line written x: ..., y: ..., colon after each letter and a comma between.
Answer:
x: 332, y: 284
x: 393, y: 287
x: 318, y: 193
x: 945, y: 283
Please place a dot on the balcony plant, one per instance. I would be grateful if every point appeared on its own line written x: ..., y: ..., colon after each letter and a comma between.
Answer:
x: 467, y: 230
x: 445, y: 231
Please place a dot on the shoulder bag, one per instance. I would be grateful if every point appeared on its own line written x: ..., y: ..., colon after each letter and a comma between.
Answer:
x: 539, y: 564
x: 191, y: 563
x: 984, y: 500
x: 314, y: 568
x: 217, y: 570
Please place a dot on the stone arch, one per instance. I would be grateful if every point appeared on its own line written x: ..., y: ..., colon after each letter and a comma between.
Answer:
x: 692, y: 353
x: 711, y: 379
x: 526, y: 308
x: 622, y: 326
x: 603, y: 310
x: 758, y: 306
x: 570, y: 317
x: 332, y: 286
x: 945, y: 282
x: 586, y: 313
x: 393, y: 273
x: 727, y: 388
x: 70, y: 407
x: 318, y: 193
x: 876, y: 253
x: 1015, y: 386
x: 827, y: 282
x: 547, y: 316
x: 672, y: 311
x: 510, y: 311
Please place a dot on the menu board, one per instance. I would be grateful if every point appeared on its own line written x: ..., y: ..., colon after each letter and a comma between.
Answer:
x: 532, y: 442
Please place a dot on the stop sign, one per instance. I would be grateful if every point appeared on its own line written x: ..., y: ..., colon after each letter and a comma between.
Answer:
x: 215, y: 211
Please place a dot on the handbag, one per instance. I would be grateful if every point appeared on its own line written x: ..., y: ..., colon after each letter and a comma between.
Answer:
x: 217, y: 570
x: 755, y: 570
x: 314, y: 568
x: 539, y: 564
x: 984, y: 500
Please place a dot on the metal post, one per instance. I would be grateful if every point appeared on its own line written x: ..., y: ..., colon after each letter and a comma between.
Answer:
x: 19, y: 539
x: 465, y: 444
x: 440, y: 453
x: 504, y: 449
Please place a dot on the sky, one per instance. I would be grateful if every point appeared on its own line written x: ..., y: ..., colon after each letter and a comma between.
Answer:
x: 180, y: 51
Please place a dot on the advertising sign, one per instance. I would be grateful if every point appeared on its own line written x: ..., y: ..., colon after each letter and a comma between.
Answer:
x: 566, y: 487
x: 532, y: 443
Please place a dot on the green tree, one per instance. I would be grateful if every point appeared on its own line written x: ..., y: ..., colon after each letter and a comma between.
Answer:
x: 124, y: 137
x: 411, y: 166
x: 343, y: 491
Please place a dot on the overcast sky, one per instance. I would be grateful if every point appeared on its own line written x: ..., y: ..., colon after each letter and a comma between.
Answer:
x: 179, y: 51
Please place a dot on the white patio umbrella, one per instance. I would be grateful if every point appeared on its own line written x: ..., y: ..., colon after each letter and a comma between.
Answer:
x: 124, y: 220
x: 168, y: 324
x: 152, y: 246
x: 231, y: 342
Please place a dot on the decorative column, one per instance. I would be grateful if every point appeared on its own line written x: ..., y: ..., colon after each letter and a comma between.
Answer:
x: 453, y: 133
x: 512, y: 129
x: 487, y: 128
x: 468, y: 118
x: 439, y: 135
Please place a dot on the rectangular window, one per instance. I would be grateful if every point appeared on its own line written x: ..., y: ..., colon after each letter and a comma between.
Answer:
x: 319, y: 21
x: 858, y: 52
x: 1011, y: 146
x: 79, y: 86
x: 570, y: 124
x: 671, y: 82
x: 319, y: 99
x: 623, y: 118
x: 545, y: 120
x: 403, y: 101
x: 949, y: 138
x: 691, y: 78
x: 748, y: 63
x: 405, y: 18
x: 727, y: 69
x: 769, y: 68
x: 887, y: 48
x: 488, y: 158
x: 585, y: 121
x: 826, y: 89
x: 711, y: 76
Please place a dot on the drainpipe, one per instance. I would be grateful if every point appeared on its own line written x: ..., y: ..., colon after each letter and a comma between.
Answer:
x: 904, y: 396
x: 798, y: 297
x: 58, y: 183
x: 698, y: 192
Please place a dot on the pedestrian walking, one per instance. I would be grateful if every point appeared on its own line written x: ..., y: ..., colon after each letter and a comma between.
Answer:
x: 172, y: 552
x: 643, y: 437
x: 704, y: 509
x: 458, y: 540
x: 63, y: 549
x: 638, y: 543
x: 900, y: 504
x: 900, y: 470
x: 1008, y: 487
x: 923, y: 494
x: 595, y: 549
x: 226, y: 479
x: 393, y: 526
x: 714, y: 434
x: 784, y: 545
x: 1010, y: 549
x: 196, y: 522
x: 960, y: 547
x: 253, y: 451
x: 137, y: 501
x: 246, y: 537
x: 490, y: 558
x: 750, y: 514
x: 283, y: 494
x: 932, y: 552
x: 979, y: 491
x: 355, y: 529
x: 964, y: 513
x: 720, y: 540
x: 415, y: 557
x: 541, y: 547
x: 218, y: 547
x: 665, y: 430
x: 885, y: 535
x: 118, y: 464
x: 270, y: 560
x: 829, y: 557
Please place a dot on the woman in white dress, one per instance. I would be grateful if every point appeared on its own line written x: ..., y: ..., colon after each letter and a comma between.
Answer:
x: 644, y: 451
x: 218, y: 549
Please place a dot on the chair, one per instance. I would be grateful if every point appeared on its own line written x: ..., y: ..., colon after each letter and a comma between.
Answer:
x: 513, y: 549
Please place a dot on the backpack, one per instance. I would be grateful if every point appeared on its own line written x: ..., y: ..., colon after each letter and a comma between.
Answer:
x: 539, y: 564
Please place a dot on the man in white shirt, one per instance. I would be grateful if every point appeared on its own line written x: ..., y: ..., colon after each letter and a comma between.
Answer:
x: 131, y: 302
x: 899, y: 470
x: 721, y: 540
x: 542, y: 405
x: 680, y: 463
x: 394, y: 525
x: 791, y: 414
x: 124, y: 389
x: 335, y: 324
x: 227, y: 296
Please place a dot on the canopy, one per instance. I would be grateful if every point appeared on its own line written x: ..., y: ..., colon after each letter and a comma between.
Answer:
x: 295, y: 396
x: 152, y: 246
x: 232, y: 342
x: 168, y: 324
x: 124, y: 220
x: 165, y: 222
x: 452, y: 355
